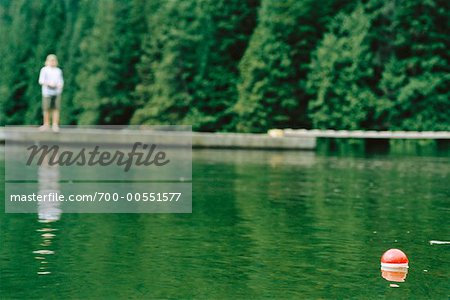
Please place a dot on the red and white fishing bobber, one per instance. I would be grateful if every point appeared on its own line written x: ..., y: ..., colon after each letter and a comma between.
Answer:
x: 394, y: 259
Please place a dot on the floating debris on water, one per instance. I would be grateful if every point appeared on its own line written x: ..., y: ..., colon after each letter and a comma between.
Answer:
x: 47, y: 235
x: 439, y: 243
x: 393, y: 285
x: 43, y: 273
x: 44, y: 252
x: 46, y: 229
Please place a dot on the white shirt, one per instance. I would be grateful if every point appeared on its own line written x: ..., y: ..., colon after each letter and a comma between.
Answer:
x: 51, y: 80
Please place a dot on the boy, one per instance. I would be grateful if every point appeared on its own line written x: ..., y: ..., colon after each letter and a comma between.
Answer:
x: 51, y: 80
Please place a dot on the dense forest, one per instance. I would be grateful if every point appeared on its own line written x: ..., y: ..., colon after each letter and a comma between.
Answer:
x: 231, y: 65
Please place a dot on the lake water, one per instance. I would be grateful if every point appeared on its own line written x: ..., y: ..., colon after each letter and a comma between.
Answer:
x: 265, y: 224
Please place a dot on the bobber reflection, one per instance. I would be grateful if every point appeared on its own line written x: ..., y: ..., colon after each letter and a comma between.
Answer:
x: 394, y: 274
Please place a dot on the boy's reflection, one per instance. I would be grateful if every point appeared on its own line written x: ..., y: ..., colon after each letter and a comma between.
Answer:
x: 48, y: 178
x: 48, y: 212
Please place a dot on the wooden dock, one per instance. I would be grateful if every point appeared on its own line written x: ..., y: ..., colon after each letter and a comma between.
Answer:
x: 359, y: 134
x: 287, y: 139
x: 130, y: 136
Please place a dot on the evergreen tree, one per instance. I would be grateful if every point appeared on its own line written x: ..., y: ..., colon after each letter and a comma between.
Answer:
x: 341, y: 75
x: 416, y: 78
x: 273, y: 70
x: 172, y: 52
x: 109, y: 54
x: 79, y: 20
x: 386, y: 68
x: 229, y: 24
x: 150, y: 56
x: 4, y: 27
x: 189, y: 67
x: 50, y: 26
x: 20, y: 22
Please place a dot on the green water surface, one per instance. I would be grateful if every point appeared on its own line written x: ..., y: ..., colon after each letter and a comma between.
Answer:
x: 265, y: 224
